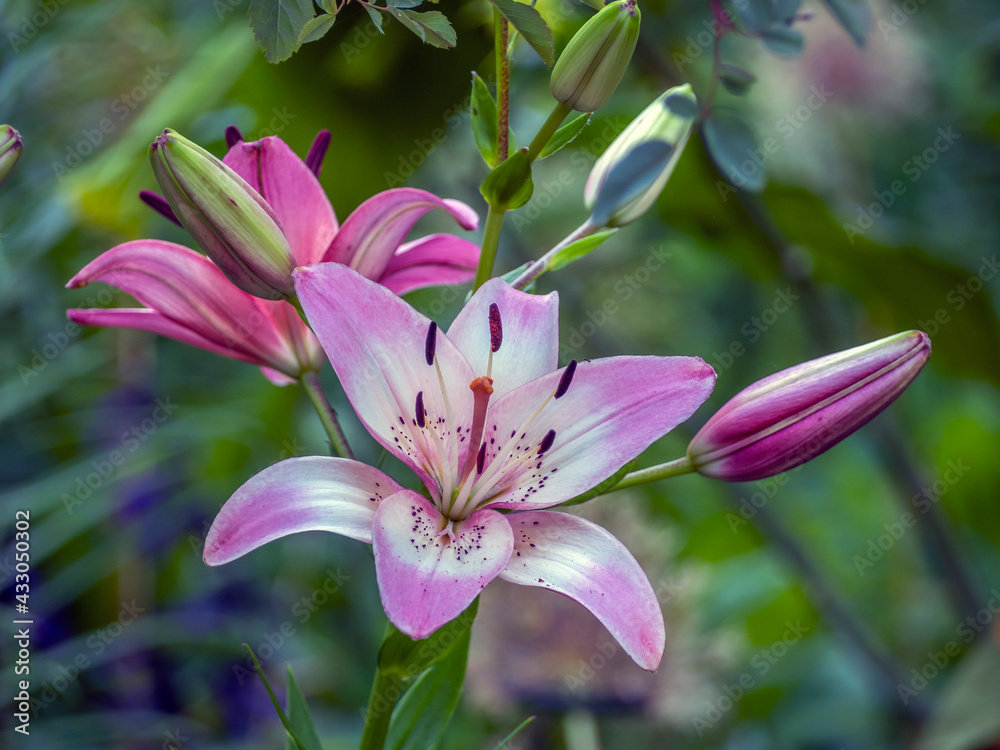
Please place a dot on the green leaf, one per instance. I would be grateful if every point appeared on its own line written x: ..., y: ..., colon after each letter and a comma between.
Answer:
x: 375, y: 13
x: 484, y: 121
x: 965, y: 716
x: 274, y: 700
x: 316, y: 28
x: 604, y: 487
x: 277, y: 24
x: 529, y: 24
x: 565, y: 135
x: 300, y: 718
x: 509, y: 185
x: 404, y: 657
x: 783, y: 40
x: 403, y: 3
x: 517, y: 730
x: 330, y: 6
x: 629, y: 178
x: 854, y: 15
x: 735, y: 79
x: 576, y: 250
x: 423, y: 713
x: 432, y: 27
x: 732, y: 145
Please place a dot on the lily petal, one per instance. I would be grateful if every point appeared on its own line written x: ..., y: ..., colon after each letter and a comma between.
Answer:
x: 292, y: 190
x: 313, y: 493
x: 530, y: 347
x: 376, y: 342
x: 188, y: 289
x: 144, y: 319
x: 613, y: 410
x: 371, y: 234
x: 430, y: 261
x: 427, y: 578
x: 579, y: 559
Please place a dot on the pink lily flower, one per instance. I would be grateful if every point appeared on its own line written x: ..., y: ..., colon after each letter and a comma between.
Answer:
x: 489, y: 423
x: 187, y: 297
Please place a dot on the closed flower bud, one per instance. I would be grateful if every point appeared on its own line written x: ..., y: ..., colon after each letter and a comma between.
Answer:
x: 590, y: 68
x: 231, y: 222
x: 10, y: 150
x: 668, y: 119
x: 792, y: 416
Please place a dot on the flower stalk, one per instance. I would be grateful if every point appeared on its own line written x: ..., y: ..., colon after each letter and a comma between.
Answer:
x: 327, y: 415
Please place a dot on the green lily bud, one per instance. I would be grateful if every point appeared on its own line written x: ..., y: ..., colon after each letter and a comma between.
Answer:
x: 593, y: 63
x: 230, y: 220
x: 669, y: 119
x: 10, y: 150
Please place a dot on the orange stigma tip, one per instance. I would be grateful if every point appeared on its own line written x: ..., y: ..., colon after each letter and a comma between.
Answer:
x: 484, y: 384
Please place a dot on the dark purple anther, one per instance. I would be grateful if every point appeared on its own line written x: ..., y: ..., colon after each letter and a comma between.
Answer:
x: 496, y: 328
x: 159, y: 204
x: 566, y: 379
x: 550, y: 436
x: 233, y: 136
x: 431, y: 342
x: 317, y: 151
x: 481, y: 458
x: 420, y: 409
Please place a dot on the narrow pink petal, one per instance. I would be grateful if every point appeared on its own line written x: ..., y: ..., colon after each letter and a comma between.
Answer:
x: 427, y: 579
x: 313, y: 493
x: 370, y: 236
x: 188, y: 289
x: 434, y: 260
x: 581, y: 560
x: 530, y: 346
x: 145, y: 319
x: 612, y: 411
x: 376, y: 343
x: 292, y: 190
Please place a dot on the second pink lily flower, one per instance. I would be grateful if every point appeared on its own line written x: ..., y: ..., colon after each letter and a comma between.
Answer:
x: 187, y: 297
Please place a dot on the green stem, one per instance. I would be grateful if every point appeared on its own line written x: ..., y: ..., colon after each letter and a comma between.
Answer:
x: 501, y: 31
x: 327, y: 415
x: 382, y: 699
x: 547, y: 130
x: 674, y: 468
x: 491, y: 241
x: 540, y: 266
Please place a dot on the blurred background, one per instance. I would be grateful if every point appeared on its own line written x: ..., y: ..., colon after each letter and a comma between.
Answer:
x: 807, y: 611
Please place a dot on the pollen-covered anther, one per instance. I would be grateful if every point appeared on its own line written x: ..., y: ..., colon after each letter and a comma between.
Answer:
x: 496, y: 328
x: 431, y: 343
x: 565, y: 379
x: 547, y: 441
x: 419, y: 409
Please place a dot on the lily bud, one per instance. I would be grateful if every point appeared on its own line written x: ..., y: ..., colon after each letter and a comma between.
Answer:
x: 230, y: 220
x: 593, y: 63
x: 10, y: 150
x: 792, y: 416
x: 669, y: 119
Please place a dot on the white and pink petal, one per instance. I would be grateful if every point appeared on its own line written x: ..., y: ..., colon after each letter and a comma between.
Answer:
x: 313, y: 493
x: 530, y: 346
x: 435, y: 260
x: 429, y: 569
x: 577, y: 558
x: 377, y: 344
x: 611, y: 411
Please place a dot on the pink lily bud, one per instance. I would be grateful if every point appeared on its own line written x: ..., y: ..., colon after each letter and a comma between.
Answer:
x: 230, y: 220
x: 794, y: 415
